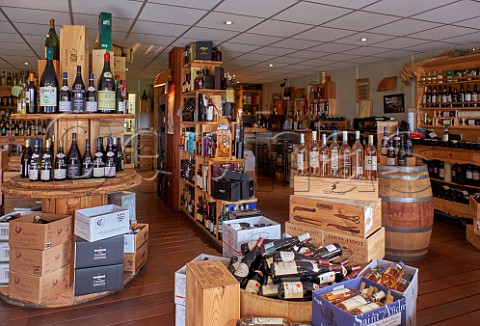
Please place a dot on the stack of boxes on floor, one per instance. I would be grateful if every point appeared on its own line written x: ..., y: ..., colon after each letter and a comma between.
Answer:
x: 4, y: 250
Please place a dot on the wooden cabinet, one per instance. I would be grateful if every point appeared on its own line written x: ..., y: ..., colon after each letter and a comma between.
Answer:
x: 248, y: 97
x: 145, y: 151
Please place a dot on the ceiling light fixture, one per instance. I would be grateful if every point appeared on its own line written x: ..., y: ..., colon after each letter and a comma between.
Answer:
x: 25, y: 63
x: 228, y: 22
x: 363, y: 39
x: 270, y: 65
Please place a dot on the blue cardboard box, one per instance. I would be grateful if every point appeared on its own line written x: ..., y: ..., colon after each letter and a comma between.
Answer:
x: 326, y: 314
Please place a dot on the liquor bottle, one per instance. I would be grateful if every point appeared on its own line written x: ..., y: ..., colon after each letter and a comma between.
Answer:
x: 79, y: 95
x: 25, y: 163
x: 74, y: 160
x: 360, y: 300
x: 46, y: 167
x: 210, y: 110
x: 65, y: 99
x: 250, y: 261
x: 385, y: 139
x: 296, y: 290
x: 370, y: 160
x: 337, y: 296
x: 48, y: 86
x: 87, y: 161
x: 91, y: 96
x: 60, y: 169
x: 324, y: 158
x: 106, y: 88
x: 254, y: 282
x: 366, y: 308
x: 402, y: 155
x: 31, y: 95
x: 110, y: 160
x: 330, y: 251
x: 119, y: 100
x: 313, y: 156
x: 301, y: 157
x: 22, y: 97
x: 99, y: 161
x: 117, y: 143
x: 52, y: 41
x: 358, y: 157
x: 263, y: 321
x: 34, y: 168
x: 446, y: 135
x: 334, y: 156
x: 284, y: 243
x: 391, y: 154
x: 345, y: 156
x: 393, y: 274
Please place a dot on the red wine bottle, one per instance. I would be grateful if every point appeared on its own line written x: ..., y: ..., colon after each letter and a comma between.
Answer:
x: 255, y: 282
x: 91, y: 97
x: 48, y: 86
x: 287, y: 256
x: 106, y: 88
x: 285, y: 243
x: 78, y: 93
x: 65, y: 98
x: 250, y: 261
x: 296, y: 290
x: 87, y: 162
x: 110, y: 160
x: 74, y: 160
x: 330, y: 251
x: 99, y: 161
x: 299, y: 270
x: 60, y: 170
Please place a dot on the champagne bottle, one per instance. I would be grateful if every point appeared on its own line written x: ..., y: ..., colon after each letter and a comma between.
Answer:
x: 334, y: 157
x: 52, y: 42
x: 87, y: 162
x: 393, y: 274
x: 106, y: 88
x: 46, y: 168
x: 370, y: 160
x: 117, y: 143
x: 250, y: 261
x: 65, y: 98
x: 60, y: 170
x: 301, y: 157
x: 358, y: 157
x: 74, y: 160
x: 99, y: 161
x: 296, y: 290
x: 22, y: 97
x: 110, y: 160
x: 345, y: 158
x: 25, y: 164
x: 263, y: 321
x: 31, y: 95
x: 360, y: 300
x: 78, y: 93
x: 91, y: 97
x: 48, y: 86
x: 324, y: 158
x: 271, y: 247
x: 34, y: 169
x: 313, y: 156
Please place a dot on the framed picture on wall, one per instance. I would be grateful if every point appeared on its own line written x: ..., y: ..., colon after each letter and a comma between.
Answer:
x: 393, y: 103
x: 363, y: 89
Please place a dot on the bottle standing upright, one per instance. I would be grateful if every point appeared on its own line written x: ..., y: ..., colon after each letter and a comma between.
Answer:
x: 48, y: 86
x: 91, y: 97
x: 74, y: 160
x: 52, y: 41
x: 65, y: 98
x: 31, y: 95
x: 78, y: 93
x: 87, y: 161
x: 106, y: 88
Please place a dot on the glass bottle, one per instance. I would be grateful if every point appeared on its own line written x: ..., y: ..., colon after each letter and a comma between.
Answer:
x: 446, y: 134
x: 284, y: 243
x: 375, y: 274
x: 393, y: 274
x: 65, y: 99
x: 31, y: 95
x: 250, y: 261
x: 117, y: 142
x: 263, y: 321
x: 25, y: 161
x: 403, y: 283
x: 60, y: 169
x: 385, y: 139
x: 296, y: 290
x: 110, y: 160
x: 345, y: 156
x: 330, y: 251
x: 334, y: 156
x: 370, y: 160
x: 391, y: 159
x: 52, y: 41
x: 120, y: 102
x: 210, y: 110
x: 46, y: 168
x: 254, y: 282
x: 396, y: 141
x: 402, y: 156
x: 365, y: 308
x: 337, y: 296
x: 91, y: 96
x: 74, y: 160
x: 87, y: 162
x: 79, y: 95
x: 34, y: 168
x: 301, y: 157
x: 106, y: 88
x: 99, y: 161
x: 48, y: 86
x: 22, y: 97
x: 324, y: 158
x: 360, y: 300
x: 313, y: 156
x: 358, y: 157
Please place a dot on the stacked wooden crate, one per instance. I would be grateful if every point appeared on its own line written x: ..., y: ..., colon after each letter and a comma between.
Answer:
x: 145, y: 151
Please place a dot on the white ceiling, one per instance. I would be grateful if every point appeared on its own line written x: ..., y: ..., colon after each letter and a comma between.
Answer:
x: 298, y: 36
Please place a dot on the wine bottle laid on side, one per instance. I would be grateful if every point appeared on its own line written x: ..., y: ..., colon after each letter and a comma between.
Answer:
x: 360, y: 300
x: 250, y: 261
x: 330, y: 251
x: 337, y: 296
x: 296, y: 290
x: 302, y: 270
x: 285, y: 243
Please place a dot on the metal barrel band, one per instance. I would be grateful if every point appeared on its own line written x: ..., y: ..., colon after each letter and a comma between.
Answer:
x: 406, y: 200
x: 406, y: 251
x: 385, y: 168
x: 404, y: 177
x: 408, y: 230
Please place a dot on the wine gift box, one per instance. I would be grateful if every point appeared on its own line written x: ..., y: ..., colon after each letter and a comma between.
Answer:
x: 4, y: 271
x: 410, y: 293
x: 356, y: 217
x: 98, y: 279
x: 127, y: 200
x: 101, y: 222
x: 74, y: 51
x: 98, y: 253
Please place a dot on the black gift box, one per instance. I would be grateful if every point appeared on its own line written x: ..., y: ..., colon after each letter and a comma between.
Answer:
x: 228, y: 190
x: 201, y: 50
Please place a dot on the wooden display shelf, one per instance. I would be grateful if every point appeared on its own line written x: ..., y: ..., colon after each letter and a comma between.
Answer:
x: 191, y: 184
x: 204, y: 90
x: 429, y: 106
x: 8, y: 107
x: 54, y: 116
x: 450, y: 183
x: 446, y: 154
x: 453, y: 208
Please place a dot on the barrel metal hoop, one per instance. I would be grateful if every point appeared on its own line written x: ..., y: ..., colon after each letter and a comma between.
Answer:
x: 405, y: 251
x: 404, y: 177
x: 408, y: 230
x: 405, y: 258
x: 406, y: 200
x: 387, y: 168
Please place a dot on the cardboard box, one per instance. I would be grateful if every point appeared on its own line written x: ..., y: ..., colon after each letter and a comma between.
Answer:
x: 325, y: 313
x: 4, y: 223
x: 356, y: 217
x: 133, y: 262
x: 40, y: 262
x: 410, y: 293
x: 99, y: 253
x: 25, y: 233
x: 181, y: 277
x: 101, y: 222
x: 296, y: 229
x: 471, y: 237
x: 4, y: 251
x: 98, y: 279
x: 4, y: 268
x: 357, y: 249
x: 133, y: 241
x: 125, y: 199
x: 233, y: 239
x: 213, y: 295
x: 180, y: 313
x: 38, y: 289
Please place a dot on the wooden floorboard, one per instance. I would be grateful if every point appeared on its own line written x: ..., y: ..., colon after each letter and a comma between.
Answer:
x: 449, y: 279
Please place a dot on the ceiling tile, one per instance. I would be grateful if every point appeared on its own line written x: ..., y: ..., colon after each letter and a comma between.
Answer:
x: 273, y: 51
x: 306, y: 54
x: 367, y: 50
x: 13, y: 52
x: 216, y: 35
x: 399, y: 43
x: 311, y: 13
x: 324, y: 34
x: 168, y: 14
x: 240, y: 23
x: 203, y: 4
x: 34, y: 29
x: 357, y: 4
x: 288, y: 60
x: 317, y: 62
x: 255, y: 39
x: 118, y: 8
x: 148, y: 38
x: 404, y: 27
x: 333, y: 47
x: 20, y: 45
x: 295, y: 44
x: 365, y: 60
x: 37, y: 17
x: 156, y: 28
x: 182, y: 42
x: 472, y: 23
x: 407, y: 7
x: 6, y: 27
x: 442, y: 32
x: 371, y: 39
x: 360, y: 21
x: 340, y: 65
x: 340, y: 57
x: 395, y: 54
x: 279, y: 28
x: 51, y: 5
x: 451, y: 13
x: 91, y: 21
x: 465, y: 41
x: 264, y: 8
x: 430, y: 46
x: 256, y: 57
x: 237, y: 47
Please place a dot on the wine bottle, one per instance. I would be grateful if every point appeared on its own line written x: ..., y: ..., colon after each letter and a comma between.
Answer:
x: 250, y: 261
x: 385, y: 141
x: 106, y: 88
x: 408, y: 145
x: 375, y: 274
x: 271, y: 247
x: 391, y: 154
x: 60, y: 170
x: 210, y: 110
x: 324, y: 158
x: 370, y: 160
x: 393, y: 274
x: 337, y: 296
x: 31, y: 95
x: 78, y: 93
x: 263, y: 321
x: 119, y: 151
x: 99, y: 161
x: 299, y: 270
x: 287, y: 256
x: 46, y: 168
x: 48, y: 86
x: 26, y: 155
x: 119, y: 100
x: 313, y: 156
x: 91, y: 97
x: 360, y: 300
x: 402, y: 155
x: 34, y: 168
x: 403, y: 283
x: 87, y: 162
x: 301, y: 157
x: 52, y: 42
x: 65, y: 98
x: 366, y: 308
x: 396, y: 141
x: 330, y: 251
x: 74, y: 160
x: 345, y: 156
x: 446, y: 135
x: 334, y: 156
x: 269, y: 290
x: 254, y: 282
x: 110, y: 160
x: 296, y: 290
x: 22, y: 97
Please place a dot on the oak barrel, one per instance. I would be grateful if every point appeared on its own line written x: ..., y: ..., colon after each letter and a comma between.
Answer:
x: 407, y: 211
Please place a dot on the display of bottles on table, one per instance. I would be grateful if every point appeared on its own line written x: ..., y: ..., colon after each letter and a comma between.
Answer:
x: 335, y: 160
x: 40, y: 164
x: 289, y: 268
x: 396, y: 148
x: 266, y: 321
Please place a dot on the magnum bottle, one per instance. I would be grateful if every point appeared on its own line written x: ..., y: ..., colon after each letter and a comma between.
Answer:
x: 74, y: 160
x: 106, y: 88
x: 60, y: 169
x: 46, y: 167
x: 99, y: 161
x: 48, y: 86
x: 25, y: 163
x: 110, y: 160
x: 34, y: 168
x: 87, y: 162
x: 78, y: 93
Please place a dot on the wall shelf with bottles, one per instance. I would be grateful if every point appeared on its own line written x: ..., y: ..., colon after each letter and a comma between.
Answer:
x: 55, y: 116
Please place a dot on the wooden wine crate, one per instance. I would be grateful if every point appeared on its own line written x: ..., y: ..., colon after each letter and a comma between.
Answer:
x: 119, y: 67
x: 97, y: 64
x: 473, y: 238
x: 213, y: 295
x: 475, y: 210
x: 315, y: 232
x: 356, y: 217
x: 74, y: 51
x: 335, y: 188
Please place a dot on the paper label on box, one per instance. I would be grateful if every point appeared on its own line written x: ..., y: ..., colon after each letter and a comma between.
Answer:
x: 368, y: 219
x: 267, y: 321
x: 392, y: 320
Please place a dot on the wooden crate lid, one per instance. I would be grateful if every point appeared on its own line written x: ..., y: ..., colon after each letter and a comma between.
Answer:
x: 210, y: 274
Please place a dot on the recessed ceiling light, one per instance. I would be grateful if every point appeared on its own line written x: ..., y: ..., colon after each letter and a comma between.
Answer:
x: 363, y: 39
x: 228, y: 22
x: 126, y: 69
x: 25, y: 63
x: 270, y: 65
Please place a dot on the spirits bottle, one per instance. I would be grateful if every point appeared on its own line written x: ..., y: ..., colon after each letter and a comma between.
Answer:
x: 385, y: 141
x: 301, y: 157
x: 87, y: 162
x: 402, y: 156
x: 78, y: 93
x: 65, y: 99
x: 99, y: 161
x: 110, y: 160
x: 334, y: 156
x: 403, y: 283
x: 313, y: 156
x: 324, y: 158
x: 60, y: 170
x: 22, y: 97
x: 48, y: 86
x: 250, y: 261
x: 391, y: 154
x: 284, y: 243
x: 31, y: 95
x: 74, y: 160
x: 370, y: 160
x: 296, y: 290
x: 393, y: 274
x: 34, y: 169
x: 106, y: 88
x: 25, y: 163
x: 52, y: 42
x: 46, y: 168
x: 263, y: 321
x: 91, y: 96
x: 117, y: 143
x: 360, y: 300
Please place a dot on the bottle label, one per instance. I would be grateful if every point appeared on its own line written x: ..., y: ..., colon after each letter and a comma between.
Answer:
x: 121, y: 106
x: 285, y: 268
x: 300, y: 163
x: 33, y: 174
x: 73, y: 171
x: 313, y: 158
x: 252, y: 286
x: 78, y: 104
x: 270, y: 289
x: 99, y: 172
x: 242, y: 270
x: 48, y: 96
x: 27, y: 97
x: 60, y: 174
x: 334, y: 160
x: 287, y: 256
x: 330, y: 247
x: 391, y: 161
x: 476, y: 175
x: 354, y: 302
x: 106, y: 101
x: 335, y: 293
x: 65, y: 106
x: 469, y: 174
x: 110, y: 171
x: 293, y: 290
x: 267, y: 321
x: 368, y: 307
x: 45, y: 175
x: 91, y: 106
x: 303, y: 237
x: 325, y: 278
